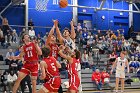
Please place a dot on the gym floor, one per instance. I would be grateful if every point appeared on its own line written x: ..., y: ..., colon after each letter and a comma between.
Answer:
x: 108, y: 91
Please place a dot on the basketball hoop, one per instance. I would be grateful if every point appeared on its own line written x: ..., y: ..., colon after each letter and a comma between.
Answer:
x: 41, y: 5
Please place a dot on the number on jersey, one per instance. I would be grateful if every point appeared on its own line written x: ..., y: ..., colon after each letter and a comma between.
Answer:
x: 53, y: 66
x: 29, y: 53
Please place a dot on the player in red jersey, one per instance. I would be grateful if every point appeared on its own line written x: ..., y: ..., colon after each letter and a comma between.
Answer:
x: 51, y: 43
x: 49, y: 68
x: 30, y: 52
x: 74, y: 80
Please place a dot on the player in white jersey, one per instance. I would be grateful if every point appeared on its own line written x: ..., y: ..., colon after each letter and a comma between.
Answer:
x: 120, y: 64
x: 68, y: 36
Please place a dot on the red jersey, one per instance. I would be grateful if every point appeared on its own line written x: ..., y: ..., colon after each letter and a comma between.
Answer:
x: 104, y: 75
x: 72, y: 68
x: 74, y: 80
x: 54, y: 50
x: 52, y: 69
x: 30, y: 52
x: 96, y: 76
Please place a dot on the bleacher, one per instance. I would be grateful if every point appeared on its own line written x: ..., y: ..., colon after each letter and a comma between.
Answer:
x: 87, y: 84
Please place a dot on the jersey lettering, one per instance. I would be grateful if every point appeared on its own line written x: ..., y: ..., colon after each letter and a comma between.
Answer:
x: 53, y: 66
x: 29, y: 53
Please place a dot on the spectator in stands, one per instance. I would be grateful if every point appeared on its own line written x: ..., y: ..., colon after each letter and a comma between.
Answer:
x: 84, y: 36
x: 23, y: 84
x: 132, y: 49
x: 30, y: 23
x: 32, y: 33
x: 85, y: 26
x: 85, y: 63
x: 132, y: 64
x: 113, y: 36
x: 96, y: 78
x: 90, y: 59
x: 138, y: 37
x: 8, y: 37
x: 138, y: 48
x: 126, y: 45
x: 90, y: 41
x: 3, y: 82
x: 5, y: 26
x: 105, y: 77
x: 112, y: 57
x: 99, y: 34
x: 9, y: 56
x: 1, y: 57
x: 118, y: 50
x: 22, y: 32
x: 79, y: 27
x: 2, y: 38
x: 14, y: 36
x: 11, y: 78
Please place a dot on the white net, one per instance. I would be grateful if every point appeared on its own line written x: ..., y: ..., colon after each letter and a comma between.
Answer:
x: 41, y: 5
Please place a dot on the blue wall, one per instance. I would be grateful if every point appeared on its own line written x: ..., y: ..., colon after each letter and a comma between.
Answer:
x: 14, y: 14
x: 53, y: 12
x: 136, y: 18
x: 109, y: 15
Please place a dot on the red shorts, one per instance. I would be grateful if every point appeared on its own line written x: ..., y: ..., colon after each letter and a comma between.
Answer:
x: 30, y: 68
x: 74, y: 83
x: 53, y: 84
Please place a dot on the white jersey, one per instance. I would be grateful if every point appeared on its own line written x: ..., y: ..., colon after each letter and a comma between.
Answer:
x: 70, y: 43
x: 121, y: 64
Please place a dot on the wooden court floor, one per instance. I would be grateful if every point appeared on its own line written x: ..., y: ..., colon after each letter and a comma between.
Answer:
x: 107, y: 91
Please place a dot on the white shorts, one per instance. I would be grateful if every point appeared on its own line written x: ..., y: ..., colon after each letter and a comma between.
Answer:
x: 120, y: 74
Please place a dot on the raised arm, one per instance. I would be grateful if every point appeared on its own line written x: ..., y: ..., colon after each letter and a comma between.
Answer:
x: 64, y: 55
x: 43, y: 66
x: 73, y: 34
x: 60, y: 38
x: 38, y: 49
x: 49, y: 35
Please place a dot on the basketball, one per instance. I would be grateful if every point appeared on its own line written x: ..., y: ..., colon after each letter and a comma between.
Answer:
x: 63, y: 3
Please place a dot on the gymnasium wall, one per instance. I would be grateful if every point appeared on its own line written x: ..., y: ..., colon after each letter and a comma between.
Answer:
x: 64, y: 15
x: 14, y: 14
x: 112, y: 20
x: 136, y: 19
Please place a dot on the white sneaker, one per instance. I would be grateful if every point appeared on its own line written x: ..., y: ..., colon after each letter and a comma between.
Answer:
x: 5, y: 92
x: 122, y: 91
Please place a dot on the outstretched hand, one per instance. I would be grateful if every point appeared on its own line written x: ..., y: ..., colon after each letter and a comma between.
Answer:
x: 72, y: 22
x: 55, y: 22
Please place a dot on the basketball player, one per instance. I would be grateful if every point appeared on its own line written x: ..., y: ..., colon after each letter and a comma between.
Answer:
x: 30, y: 51
x: 49, y: 68
x: 120, y: 64
x: 74, y: 80
x: 51, y: 43
x: 68, y: 36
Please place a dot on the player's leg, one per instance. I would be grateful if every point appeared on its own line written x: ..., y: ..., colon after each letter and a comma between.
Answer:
x: 122, y: 84
x: 117, y: 84
x: 33, y: 80
x: 73, y: 91
x: 21, y: 75
x: 41, y: 91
